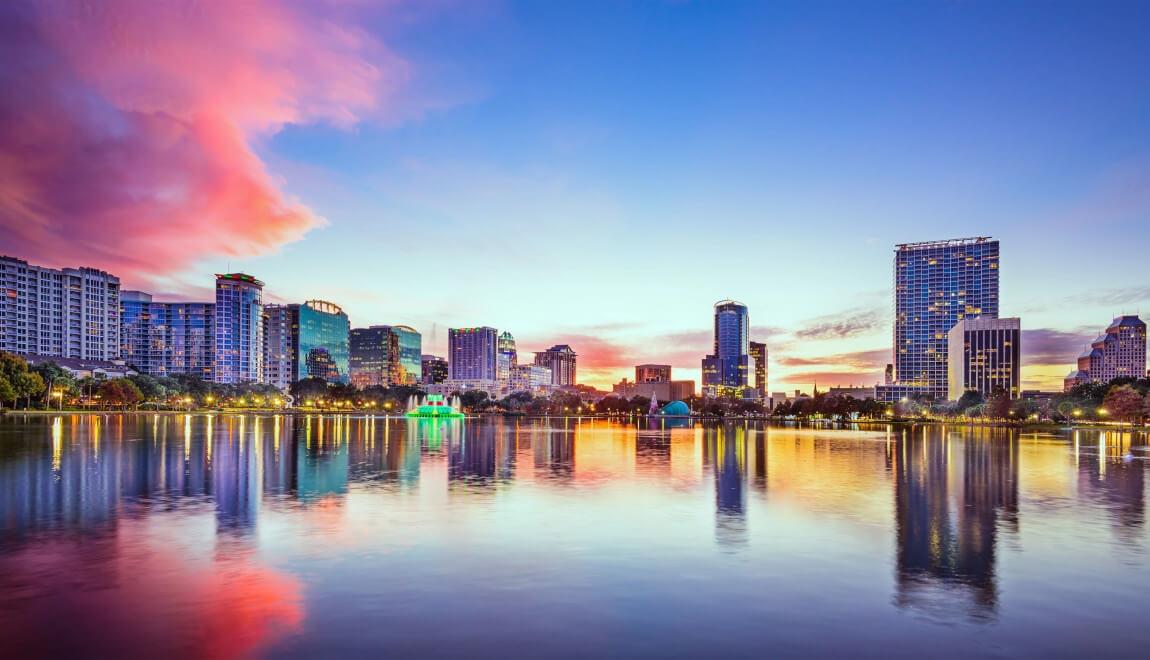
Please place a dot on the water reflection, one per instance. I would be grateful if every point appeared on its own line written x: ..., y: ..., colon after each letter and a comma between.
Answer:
x: 951, y: 494
x: 152, y: 517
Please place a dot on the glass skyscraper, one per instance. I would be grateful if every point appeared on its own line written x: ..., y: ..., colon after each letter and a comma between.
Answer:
x: 386, y: 355
x: 166, y: 338
x: 321, y: 344
x: 507, y: 357
x: 725, y: 370
x: 936, y: 285
x: 239, y: 329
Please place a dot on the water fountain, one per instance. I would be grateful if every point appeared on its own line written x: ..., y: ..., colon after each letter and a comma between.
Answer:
x: 433, y: 405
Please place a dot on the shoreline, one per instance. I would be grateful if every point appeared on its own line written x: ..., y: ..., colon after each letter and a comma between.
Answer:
x: 1049, y: 426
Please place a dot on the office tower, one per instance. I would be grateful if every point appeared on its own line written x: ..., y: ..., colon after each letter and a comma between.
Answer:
x: 410, y: 367
x: 305, y: 341
x: 888, y: 375
x: 560, y: 359
x: 280, y: 323
x: 239, y: 342
x: 166, y: 338
x: 653, y: 373
x: 374, y: 353
x: 472, y: 353
x: 386, y: 355
x: 725, y: 370
x: 320, y: 345
x: 985, y: 355
x: 434, y: 369
x: 529, y: 378
x: 506, y: 357
x: 936, y: 285
x: 759, y: 355
x: 69, y: 312
x: 1118, y: 352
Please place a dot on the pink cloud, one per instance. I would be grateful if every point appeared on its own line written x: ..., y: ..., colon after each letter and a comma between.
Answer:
x: 128, y: 127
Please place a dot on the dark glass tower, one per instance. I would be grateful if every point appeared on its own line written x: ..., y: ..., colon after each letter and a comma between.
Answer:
x: 725, y: 370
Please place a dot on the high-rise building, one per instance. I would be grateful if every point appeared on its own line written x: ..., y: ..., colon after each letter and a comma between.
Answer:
x: 936, y: 285
x: 69, y: 312
x: 888, y: 375
x: 506, y: 356
x: 305, y: 341
x: 472, y: 353
x: 166, y: 338
x: 561, y: 360
x: 374, y: 356
x: 726, y: 369
x: 1118, y: 352
x: 759, y: 355
x: 281, y: 324
x: 985, y: 355
x: 386, y: 355
x: 320, y: 346
x: 653, y: 373
x: 239, y: 333
x: 410, y: 355
x: 434, y: 369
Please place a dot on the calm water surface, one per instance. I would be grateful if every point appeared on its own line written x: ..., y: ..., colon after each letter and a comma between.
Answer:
x: 194, y: 535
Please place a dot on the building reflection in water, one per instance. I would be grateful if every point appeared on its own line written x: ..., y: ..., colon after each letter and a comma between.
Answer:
x: 952, y: 497
x: 553, y: 452
x: 725, y: 452
x: 1109, y: 475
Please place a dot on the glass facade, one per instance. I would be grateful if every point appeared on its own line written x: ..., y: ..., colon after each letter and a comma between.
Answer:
x: 321, y: 345
x: 936, y: 285
x: 386, y: 355
x: 410, y: 342
x: 727, y: 368
x: 238, y: 340
x: 507, y: 357
x: 162, y: 339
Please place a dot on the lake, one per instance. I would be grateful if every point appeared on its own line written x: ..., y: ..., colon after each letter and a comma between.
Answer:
x: 173, y: 535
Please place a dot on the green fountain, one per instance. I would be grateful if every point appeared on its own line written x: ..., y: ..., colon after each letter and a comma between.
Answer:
x: 433, y: 406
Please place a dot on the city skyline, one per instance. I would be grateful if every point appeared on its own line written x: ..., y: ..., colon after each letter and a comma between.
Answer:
x: 385, y: 144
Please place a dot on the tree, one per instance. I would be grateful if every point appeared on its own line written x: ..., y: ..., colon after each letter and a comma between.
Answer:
x: 56, y: 379
x: 968, y: 400
x: 120, y: 392
x: 28, y: 384
x: 998, y: 406
x: 7, y: 392
x: 309, y: 389
x: 1124, y: 403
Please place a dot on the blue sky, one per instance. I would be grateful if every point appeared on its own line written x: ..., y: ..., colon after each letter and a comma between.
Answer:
x: 599, y: 173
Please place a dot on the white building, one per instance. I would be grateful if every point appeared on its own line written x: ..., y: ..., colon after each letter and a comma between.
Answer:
x: 71, y: 312
x: 530, y: 378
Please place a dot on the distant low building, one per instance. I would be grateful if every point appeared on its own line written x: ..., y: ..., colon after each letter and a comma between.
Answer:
x: 529, y: 378
x: 652, y: 373
x: 82, y: 368
x: 663, y: 391
x: 860, y: 393
x: 1118, y: 352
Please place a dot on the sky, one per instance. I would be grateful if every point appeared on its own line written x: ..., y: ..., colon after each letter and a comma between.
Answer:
x: 593, y: 173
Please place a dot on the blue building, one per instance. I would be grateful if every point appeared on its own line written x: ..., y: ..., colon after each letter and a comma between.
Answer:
x: 725, y: 371
x: 936, y: 285
x: 239, y: 329
x: 166, y: 338
x: 472, y: 353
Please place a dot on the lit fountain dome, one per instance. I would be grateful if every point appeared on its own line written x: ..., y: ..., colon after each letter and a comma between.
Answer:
x: 434, y: 405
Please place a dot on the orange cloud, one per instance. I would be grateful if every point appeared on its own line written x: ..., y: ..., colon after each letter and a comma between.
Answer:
x: 127, y: 131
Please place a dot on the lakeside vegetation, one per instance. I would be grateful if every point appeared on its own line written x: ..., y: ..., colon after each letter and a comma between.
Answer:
x: 48, y: 386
